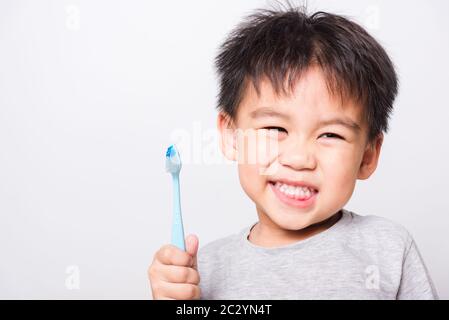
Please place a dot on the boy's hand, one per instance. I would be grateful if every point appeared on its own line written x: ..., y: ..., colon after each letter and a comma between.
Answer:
x: 174, y: 273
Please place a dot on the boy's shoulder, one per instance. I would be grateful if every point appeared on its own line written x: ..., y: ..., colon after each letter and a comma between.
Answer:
x: 221, y: 246
x: 377, y: 234
x: 378, y: 226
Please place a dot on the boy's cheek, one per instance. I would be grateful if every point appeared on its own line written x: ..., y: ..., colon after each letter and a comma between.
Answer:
x: 267, y: 150
x: 340, y: 167
x: 338, y: 180
x: 249, y: 173
x: 251, y: 181
x: 257, y: 147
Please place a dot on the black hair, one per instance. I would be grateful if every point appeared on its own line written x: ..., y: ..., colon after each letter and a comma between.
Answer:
x: 282, y: 43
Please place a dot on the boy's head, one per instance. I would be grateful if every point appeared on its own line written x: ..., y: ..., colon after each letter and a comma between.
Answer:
x: 320, y: 90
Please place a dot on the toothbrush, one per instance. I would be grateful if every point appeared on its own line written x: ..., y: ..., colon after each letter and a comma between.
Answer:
x: 173, y: 166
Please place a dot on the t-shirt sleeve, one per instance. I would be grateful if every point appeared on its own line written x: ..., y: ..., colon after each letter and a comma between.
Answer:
x: 416, y: 283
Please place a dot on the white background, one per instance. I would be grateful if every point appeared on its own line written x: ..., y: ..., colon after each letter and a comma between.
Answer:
x: 91, y: 94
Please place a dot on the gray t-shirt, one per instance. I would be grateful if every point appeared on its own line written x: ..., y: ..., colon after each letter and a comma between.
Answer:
x: 359, y: 257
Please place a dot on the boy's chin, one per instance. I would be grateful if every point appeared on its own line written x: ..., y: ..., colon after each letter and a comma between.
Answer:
x: 292, y: 223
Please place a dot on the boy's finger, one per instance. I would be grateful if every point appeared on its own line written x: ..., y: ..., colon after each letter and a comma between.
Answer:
x: 172, y: 255
x: 177, y: 274
x: 180, y: 291
x: 192, y: 244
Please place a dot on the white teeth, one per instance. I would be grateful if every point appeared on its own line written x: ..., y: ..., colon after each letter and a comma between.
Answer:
x: 308, y: 193
x: 282, y: 187
x: 292, y: 191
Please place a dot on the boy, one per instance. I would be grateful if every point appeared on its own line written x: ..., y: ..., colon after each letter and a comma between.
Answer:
x: 319, y: 90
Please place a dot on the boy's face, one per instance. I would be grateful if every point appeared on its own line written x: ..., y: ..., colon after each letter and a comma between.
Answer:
x: 298, y: 149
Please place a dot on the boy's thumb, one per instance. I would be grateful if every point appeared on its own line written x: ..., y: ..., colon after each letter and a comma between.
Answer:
x: 192, y: 244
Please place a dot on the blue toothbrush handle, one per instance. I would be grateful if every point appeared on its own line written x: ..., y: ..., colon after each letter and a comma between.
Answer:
x: 177, y: 227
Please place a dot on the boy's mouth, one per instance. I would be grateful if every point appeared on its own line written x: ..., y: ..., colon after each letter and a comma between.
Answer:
x: 297, y: 194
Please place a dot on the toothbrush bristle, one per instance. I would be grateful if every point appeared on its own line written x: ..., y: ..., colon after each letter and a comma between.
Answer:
x: 169, y: 151
x: 172, y: 160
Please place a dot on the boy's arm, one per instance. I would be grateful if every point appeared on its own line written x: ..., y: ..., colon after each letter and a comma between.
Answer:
x: 416, y: 283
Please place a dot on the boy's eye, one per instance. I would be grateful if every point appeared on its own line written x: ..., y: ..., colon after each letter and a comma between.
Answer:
x: 276, y: 128
x: 332, y: 135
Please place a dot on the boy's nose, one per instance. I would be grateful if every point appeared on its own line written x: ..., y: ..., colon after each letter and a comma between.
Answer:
x: 297, y: 155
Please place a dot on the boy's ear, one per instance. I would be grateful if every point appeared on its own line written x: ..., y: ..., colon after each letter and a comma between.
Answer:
x: 226, y: 129
x: 370, y: 158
